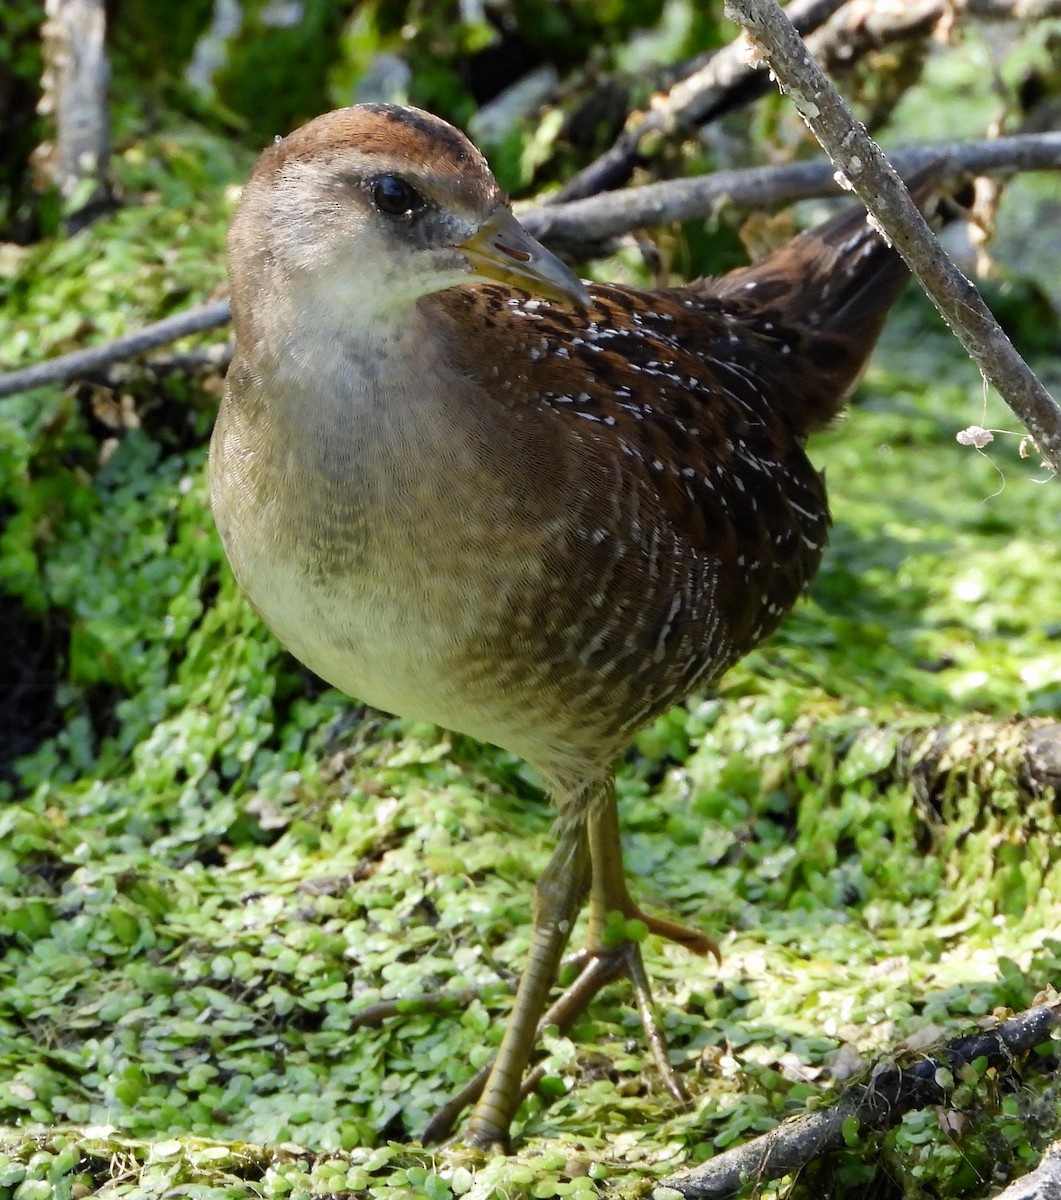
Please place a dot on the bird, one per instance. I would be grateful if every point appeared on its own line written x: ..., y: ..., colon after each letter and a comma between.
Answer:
x: 466, y: 487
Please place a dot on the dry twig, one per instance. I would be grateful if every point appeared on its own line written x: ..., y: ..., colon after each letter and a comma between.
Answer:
x: 712, y: 87
x: 97, y: 358
x: 838, y: 34
x: 877, y: 1104
x: 865, y: 25
x: 581, y: 225
x: 864, y: 166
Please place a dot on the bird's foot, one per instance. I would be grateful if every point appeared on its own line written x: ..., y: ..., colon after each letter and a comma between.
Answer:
x: 598, y: 968
x: 629, y: 954
x: 612, y: 934
x: 694, y: 940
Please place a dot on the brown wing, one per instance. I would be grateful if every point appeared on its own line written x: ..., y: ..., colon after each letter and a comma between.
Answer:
x: 677, y: 420
x: 698, y: 519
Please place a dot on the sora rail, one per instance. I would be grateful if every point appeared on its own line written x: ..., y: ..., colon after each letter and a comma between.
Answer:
x: 465, y: 487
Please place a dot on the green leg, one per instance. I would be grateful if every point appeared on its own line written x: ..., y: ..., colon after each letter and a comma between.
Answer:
x: 608, y: 894
x: 608, y: 891
x: 557, y: 900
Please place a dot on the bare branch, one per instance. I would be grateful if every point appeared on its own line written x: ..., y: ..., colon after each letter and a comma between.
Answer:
x: 1013, y: 10
x: 838, y: 34
x: 583, y: 224
x: 876, y: 1104
x: 372, y: 1016
x: 83, y: 362
x: 724, y: 81
x: 863, y: 164
x: 870, y: 24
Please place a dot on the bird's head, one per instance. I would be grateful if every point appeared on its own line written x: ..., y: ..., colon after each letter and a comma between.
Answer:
x: 366, y: 209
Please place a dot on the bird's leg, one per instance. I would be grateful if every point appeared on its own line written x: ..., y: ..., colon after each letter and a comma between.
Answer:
x: 562, y: 1013
x: 589, y: 851
x: 609, y: 894
x: 608, y: 891
x: 558, y: 897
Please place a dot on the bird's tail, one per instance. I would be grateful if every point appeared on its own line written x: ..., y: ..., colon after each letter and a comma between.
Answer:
x: 831, y: 288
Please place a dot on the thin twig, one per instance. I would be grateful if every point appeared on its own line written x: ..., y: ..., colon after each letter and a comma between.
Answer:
x: 96, y: 358
x: 586, y: 223
x: 863, y: 164
x: 711, y: 88
x: 444, y: 1000
x: 876, y: 1104
x: 839, y: 34
x: 1013, y: 10
x: 871, y: 24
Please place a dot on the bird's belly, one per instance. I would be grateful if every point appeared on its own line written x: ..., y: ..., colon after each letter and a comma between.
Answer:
x: 384, y: 645
x: 352, y: 638
x: 406, y: 634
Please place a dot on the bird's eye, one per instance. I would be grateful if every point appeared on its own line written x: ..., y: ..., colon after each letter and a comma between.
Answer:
x: 393, y: 196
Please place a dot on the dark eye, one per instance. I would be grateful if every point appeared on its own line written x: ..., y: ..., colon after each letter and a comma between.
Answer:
x: 393, y: 196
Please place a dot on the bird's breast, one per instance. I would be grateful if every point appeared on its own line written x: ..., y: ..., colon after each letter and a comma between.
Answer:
x: 386, y: 559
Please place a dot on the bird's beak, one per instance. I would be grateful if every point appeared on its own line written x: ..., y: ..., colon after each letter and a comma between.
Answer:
x: 502, y: 250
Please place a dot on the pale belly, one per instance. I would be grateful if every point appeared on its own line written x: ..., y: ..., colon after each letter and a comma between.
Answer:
x: 396, y: 648
x: 406, y: 634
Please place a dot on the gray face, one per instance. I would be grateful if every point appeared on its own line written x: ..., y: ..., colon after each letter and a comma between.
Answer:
x: 404, y: 204
x: 363, y: 210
